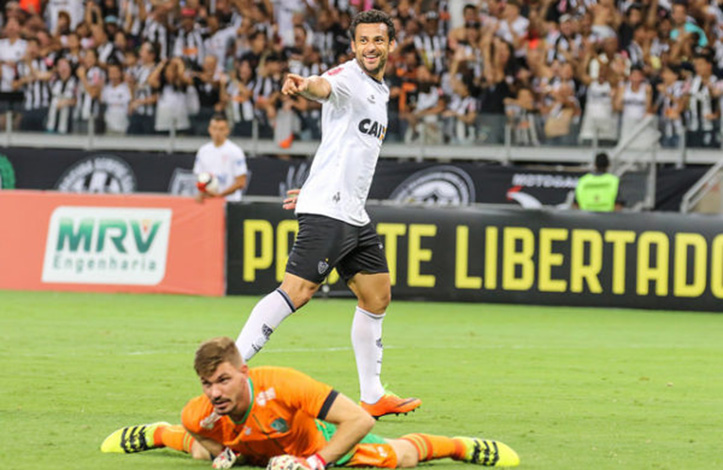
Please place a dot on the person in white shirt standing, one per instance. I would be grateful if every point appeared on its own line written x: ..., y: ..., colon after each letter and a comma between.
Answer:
x: 223, y: 159
x: 116, y: 96
x: 334, y: 228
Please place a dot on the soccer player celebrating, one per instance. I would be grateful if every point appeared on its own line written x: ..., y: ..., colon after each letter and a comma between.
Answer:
x: 283, y: 418
x: 223, y: 159
x: 334, y: 228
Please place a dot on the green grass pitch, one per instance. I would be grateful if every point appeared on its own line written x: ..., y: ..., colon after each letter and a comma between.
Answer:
x: 568, y: 388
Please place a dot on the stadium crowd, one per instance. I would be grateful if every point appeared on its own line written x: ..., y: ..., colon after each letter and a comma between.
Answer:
x: 556, y: 71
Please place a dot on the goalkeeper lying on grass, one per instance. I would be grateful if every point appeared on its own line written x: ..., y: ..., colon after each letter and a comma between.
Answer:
x: 284, y: 419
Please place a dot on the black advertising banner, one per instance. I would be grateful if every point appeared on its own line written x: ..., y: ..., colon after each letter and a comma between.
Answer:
x: 651, y: 260
x: 460, y: 183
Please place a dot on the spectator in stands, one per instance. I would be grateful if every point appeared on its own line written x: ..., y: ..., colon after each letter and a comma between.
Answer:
x: 431, y: 45
x: 188, y: 44
x: 12, y: 51
x: 671, y: 104
x: 143, y: 105
x: 53, y: 9
x: 240, y: 91
x: 512, y: 27
x: 470, y: 16
x: 495, y: 87
x: 560, y: 115
x: 598, y: 191
x: 266, y: 95
x: 116, y: 97
x: 703, y: 105
x: 423, y: 120
x: 92, y: 80
x: 63, y: 98
x: 132, y: 15
x: 170, y: 82
x: 522, y: 113
x: 107, y: 52
x: 72, y: 50
x: 567, y: 45
x: 633, y: 100
x: 33, y: 77
x: 210, y: 86
x: 157, y: 29
x: 599, y: 122
x: 460, y: 114
x: 682, y: 24
x: 218, y: 41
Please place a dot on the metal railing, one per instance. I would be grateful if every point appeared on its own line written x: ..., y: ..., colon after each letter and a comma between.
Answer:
x: 702, y: 187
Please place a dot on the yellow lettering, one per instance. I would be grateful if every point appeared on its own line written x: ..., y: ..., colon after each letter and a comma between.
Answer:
x: 681, y: 288
x: 391, y: 233
x: 581, y: 273
x: 548, y: 259
x: 619, y: 238
x: 417, y: 255
x: 252, y: 261
x: 283, y: 230
x: 513, y: 258
x: 462, y: 280
x: 658, y: 273
x: 716, y: 267
x: 491, y: 240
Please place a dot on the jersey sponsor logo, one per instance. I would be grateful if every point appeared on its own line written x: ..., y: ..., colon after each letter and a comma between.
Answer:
x: 210, y: 421
x: 7, y: 173
x: 334, y: 71
x: 98, y: 174
x: 265, y: 396
x: 439, y: 185
x: 107, y: 245
x: 373, y: 128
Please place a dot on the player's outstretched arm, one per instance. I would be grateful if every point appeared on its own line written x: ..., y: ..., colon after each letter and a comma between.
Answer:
x: 313, y: 88
x: 353, y: 423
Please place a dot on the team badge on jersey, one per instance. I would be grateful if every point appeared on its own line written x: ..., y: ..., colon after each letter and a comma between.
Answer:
x: 280, y: 425
x: 323, y: 266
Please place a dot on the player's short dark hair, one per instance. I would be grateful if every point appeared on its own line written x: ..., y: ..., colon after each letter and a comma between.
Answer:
x: 602, y: 161
x: 372, y: 17
x: 214, y: 352
x: 219, y: 117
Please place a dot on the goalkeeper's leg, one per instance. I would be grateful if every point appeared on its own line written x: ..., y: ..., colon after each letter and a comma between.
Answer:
x: 414, y: 448
x: 143, y: 437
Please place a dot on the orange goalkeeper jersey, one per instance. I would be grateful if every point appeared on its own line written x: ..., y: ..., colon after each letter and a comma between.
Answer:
x: 281, y: 420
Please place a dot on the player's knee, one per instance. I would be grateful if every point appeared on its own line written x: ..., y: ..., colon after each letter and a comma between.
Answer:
x: 199, y: 452
x: 376, y: 302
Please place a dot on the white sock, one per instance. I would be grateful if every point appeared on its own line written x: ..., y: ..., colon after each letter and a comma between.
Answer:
x: 366, y: 337
x: 268, y: 313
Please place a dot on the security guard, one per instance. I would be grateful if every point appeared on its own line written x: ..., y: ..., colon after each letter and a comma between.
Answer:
x: 598, y: 191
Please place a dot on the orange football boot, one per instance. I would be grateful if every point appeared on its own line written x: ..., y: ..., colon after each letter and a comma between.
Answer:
x: 389, y: 404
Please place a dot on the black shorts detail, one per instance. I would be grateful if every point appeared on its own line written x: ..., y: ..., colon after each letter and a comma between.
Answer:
x: 324, y: 243
x: 327, y: 405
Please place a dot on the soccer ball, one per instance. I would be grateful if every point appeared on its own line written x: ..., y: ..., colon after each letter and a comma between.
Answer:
x: 207, y: 182
x: 286, y: 462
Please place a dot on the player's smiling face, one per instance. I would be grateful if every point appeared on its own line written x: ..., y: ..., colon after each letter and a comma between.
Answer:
x: 227, y: 389
x: 371, y: 46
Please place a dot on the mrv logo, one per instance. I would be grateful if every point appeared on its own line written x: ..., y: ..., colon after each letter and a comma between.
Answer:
x: 107, y: 245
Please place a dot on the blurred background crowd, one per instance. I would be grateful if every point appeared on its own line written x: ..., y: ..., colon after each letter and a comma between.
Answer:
x: 558, y: 72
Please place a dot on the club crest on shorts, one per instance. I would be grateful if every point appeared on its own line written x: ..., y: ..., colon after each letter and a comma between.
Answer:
x: 322, y: 266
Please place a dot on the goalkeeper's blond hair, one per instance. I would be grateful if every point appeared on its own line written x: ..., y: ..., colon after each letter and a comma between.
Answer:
x: 215, y: 351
